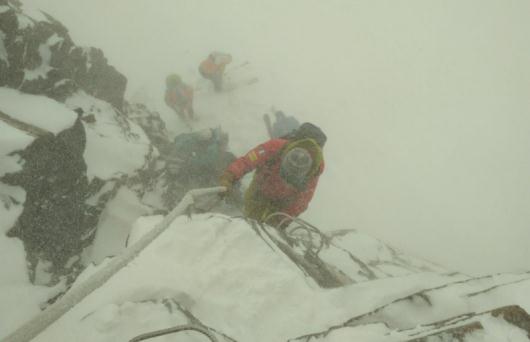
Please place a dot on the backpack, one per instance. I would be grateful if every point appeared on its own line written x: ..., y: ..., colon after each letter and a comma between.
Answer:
x: 307, y: 131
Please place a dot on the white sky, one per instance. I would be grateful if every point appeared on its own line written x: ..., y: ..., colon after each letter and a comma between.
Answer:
x: 425, y: 104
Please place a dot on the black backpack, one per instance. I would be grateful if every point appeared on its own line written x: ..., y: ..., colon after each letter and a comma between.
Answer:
x: 307, y: 131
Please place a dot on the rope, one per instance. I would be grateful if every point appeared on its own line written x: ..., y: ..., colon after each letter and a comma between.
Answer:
x: 43, y: 320
x: 301, y: 225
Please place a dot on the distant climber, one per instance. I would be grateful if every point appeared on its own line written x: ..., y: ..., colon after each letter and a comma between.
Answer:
x: 213, y: 67
x: 287, y: 173
x: 179, y: 97
x: 198, y: 160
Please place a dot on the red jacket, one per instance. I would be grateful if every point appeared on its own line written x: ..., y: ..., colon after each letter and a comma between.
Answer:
x: 270, y: 183
x: 180, y: 96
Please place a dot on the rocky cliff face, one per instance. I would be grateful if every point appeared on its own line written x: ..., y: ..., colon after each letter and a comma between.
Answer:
x: 69, y: 176
x: 54, y: 178
x: 37, y: 56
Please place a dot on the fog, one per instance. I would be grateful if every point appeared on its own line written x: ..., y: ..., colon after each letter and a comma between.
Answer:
x: 425, y: 103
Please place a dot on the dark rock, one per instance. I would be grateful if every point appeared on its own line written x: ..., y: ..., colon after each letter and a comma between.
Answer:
x: 152, y: 124
x: 514, y: 315
x: 91, y: 118
x: 64, y: 68
x: 52, y: 223
x: 62, y: 209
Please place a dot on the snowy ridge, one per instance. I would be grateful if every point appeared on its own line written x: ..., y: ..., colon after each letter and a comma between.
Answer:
x: 427, y: 310
x: 216, y: 271
x: 508, y: 323
x: 338, y: 258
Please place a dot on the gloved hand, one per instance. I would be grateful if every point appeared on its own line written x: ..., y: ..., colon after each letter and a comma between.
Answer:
x: 227, y: 180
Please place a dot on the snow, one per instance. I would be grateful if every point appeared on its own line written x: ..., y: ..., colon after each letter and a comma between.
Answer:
x: 114, y: 147
x: 45, y: 55
x: 61, y: 83
x: 11, y: 140
x: 12, y: 198
x: 24, y: 21
x: 495, y: 330
x: 222, y: 267
x: 371, y: 332
x: 11, y: 205
x: 54, y: 40
x: 40, y: 111
x: 141, y: 227
x: 219, y: 270
x: 21, y: 298
x: 115, y: 223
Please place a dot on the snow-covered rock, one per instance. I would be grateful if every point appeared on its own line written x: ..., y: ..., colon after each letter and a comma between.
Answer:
x: 63, y: 162
x: 473, y: 309
x: 152, y: 124
x: 42, y: 173
x: 37, y: 56
x: 115, y: 145
x: 219, y: 273
x: 57, y: 189
x: 70, y: 169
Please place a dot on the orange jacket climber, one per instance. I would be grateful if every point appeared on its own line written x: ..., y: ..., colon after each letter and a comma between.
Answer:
x: 213, y: 67
x: 179, y: 96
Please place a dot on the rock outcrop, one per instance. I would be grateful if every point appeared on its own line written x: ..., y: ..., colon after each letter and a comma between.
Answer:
x: 37, y: 56
x: 52, y: 225
x: 70, y: 176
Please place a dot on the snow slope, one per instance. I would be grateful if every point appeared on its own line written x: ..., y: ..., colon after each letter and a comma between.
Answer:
x: 216, y: 271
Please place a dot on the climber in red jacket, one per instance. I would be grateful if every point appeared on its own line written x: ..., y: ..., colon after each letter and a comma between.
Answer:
x: 179, y: 97
x: 287, y: 172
